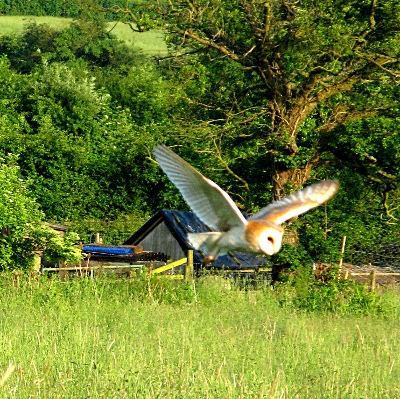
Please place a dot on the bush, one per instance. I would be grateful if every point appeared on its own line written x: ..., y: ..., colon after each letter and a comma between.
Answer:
x: 21, y: 230
x: 290, y: 258
x: 19, y: 213
x: 305, y: 292
x: 54, y: 246
x: 65, y: 8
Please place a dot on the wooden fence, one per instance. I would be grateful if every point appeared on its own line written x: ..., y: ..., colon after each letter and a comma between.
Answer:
x: 188, y: 269
x: 89, y: 269
x: 373, y: 274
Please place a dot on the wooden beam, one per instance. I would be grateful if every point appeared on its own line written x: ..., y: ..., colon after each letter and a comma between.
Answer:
x: 376, y: 273
x: 373, y: 280
x: 88, y: 268
x: 169, y: 266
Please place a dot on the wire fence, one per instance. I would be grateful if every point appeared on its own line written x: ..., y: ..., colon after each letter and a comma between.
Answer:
x: 106, y: 237
x: 382, y: 255
x: 385, y: 255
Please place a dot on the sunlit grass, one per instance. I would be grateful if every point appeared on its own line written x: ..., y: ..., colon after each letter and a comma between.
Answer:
x: 104, y: 339
x: 10, y: 24
x: 151, y: 43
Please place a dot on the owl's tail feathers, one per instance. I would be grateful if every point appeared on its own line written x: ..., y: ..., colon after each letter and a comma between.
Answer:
x: 206, y: 243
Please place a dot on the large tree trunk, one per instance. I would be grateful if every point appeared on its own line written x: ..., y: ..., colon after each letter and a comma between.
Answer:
x: 286, y: 181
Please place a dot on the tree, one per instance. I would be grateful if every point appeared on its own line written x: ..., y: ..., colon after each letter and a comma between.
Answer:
x: 22, y: 231
x: 282, y: 92
x: 292, y: 83
x: 79, y: 113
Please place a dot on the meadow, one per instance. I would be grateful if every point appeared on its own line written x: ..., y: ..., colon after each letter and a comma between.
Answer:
x: 151, y: 42
x: 140, y: 338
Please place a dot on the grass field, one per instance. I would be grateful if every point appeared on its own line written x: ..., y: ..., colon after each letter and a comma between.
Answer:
x: 143, y: 339
x: 150, y: 43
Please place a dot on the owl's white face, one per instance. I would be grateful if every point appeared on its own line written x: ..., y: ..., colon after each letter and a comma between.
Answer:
x: 270, y: 241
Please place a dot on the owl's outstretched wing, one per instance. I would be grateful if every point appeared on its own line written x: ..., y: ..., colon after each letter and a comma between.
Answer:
x: 298, y: 203
x: 209, y: 202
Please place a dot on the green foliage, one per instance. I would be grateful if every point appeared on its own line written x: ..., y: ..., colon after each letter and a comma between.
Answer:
x: 140, y: 89
x: 27, y: 50
x: 292, y: 257
x: 21, y: 231
x: 83, y: 40
x: 283, y: 86
x: 19, y: 215
x: 111, y: 231
x: 71, y: 124
x: 283, y: 96
x: 74, y: 8
x: 88, y: 40
x: 330, y: 294
x: 53, y: 246
x: 62, y: 8
x: 67, y: 98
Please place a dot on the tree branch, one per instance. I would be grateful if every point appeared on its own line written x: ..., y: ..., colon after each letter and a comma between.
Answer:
x: 379, y: 64
x: 227, y: 168
x: 223, y: 49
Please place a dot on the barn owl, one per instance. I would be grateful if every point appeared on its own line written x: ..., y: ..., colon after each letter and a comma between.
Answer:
x: 261, y: 233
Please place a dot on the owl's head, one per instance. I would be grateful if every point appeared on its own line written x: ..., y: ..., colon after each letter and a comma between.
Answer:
x: 270, y: 241
x: 265, y: 236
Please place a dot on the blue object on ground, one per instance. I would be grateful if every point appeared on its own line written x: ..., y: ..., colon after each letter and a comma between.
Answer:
x: 108, y: 250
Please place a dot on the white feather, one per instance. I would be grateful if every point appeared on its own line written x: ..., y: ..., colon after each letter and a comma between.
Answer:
x: 209, y: 202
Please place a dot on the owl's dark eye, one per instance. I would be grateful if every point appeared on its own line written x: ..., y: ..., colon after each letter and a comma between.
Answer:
x: 271, y: 240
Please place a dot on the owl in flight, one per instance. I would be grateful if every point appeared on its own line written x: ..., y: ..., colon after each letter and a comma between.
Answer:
x: 260, y: 233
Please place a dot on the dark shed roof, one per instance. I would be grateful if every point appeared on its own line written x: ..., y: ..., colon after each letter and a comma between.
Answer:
x: 179, y: 225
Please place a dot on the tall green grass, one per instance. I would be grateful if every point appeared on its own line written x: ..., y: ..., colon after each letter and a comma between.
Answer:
x: 141, y: 338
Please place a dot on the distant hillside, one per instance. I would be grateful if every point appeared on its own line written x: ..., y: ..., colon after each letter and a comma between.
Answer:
x: 150, y: 43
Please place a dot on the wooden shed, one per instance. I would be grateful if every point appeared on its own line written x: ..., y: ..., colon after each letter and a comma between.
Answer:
x: 59, y: 228
x: 166, y: 231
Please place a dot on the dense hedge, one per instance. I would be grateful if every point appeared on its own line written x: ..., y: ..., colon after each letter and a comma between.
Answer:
x: 58, y: 8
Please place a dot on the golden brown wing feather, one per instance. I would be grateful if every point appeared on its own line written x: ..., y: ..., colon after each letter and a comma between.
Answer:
x: 298, y: 203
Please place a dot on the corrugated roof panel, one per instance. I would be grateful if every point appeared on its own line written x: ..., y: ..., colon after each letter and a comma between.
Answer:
x: 180, y: 224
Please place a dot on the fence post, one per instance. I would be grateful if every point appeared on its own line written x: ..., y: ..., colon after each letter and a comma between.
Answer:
x: 189, y: 270
x: 341, y: 254
x: 62, y: 273
x: 37, y: 261
x: 373, y: 280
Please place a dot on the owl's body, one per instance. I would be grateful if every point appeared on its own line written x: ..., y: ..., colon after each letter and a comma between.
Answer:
x: 261, y: 233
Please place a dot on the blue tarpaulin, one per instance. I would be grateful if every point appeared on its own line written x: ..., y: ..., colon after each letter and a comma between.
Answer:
x: 107, y: 250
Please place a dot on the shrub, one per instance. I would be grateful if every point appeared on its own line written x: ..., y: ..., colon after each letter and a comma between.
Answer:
x: 19, y: 213
x: 305, y: 292
x: 21, y: 229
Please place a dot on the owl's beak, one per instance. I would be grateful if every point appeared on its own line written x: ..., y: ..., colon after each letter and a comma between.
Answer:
x: 209, y: 259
